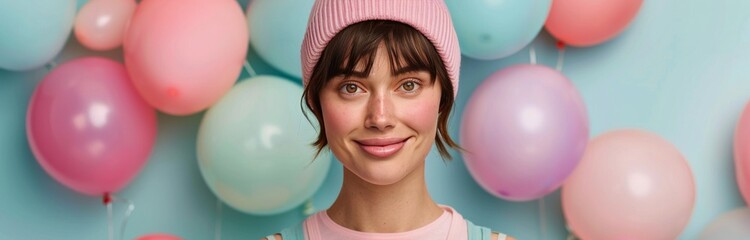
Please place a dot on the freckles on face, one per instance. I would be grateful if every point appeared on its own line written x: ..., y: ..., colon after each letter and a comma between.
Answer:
x: 339, y: 119
x: 417, y: 116
x: 421, y: 116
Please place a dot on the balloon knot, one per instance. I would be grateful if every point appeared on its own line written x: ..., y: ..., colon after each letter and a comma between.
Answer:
x: 106, y: 199
x: 560, y: 45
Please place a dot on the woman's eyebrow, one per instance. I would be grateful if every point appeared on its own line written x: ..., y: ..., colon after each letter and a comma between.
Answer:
x: 409, y: 69
x: 401, y: 71
x: 352, y: 74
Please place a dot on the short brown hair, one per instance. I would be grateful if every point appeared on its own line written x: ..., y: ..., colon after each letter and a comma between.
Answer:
x: 407, y: 48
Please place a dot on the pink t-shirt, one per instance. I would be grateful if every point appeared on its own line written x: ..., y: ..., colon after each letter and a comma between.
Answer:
x: 450, y: 225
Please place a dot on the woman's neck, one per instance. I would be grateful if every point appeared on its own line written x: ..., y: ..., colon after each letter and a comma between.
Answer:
x: 399, y: 207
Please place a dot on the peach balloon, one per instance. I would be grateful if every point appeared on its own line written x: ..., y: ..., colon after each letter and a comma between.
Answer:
x: 585, y: 23
x: 101, y: 24
x: 183, y: 55
x: 630, y: 184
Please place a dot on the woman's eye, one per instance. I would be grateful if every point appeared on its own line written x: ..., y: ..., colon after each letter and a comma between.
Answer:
x: 350, y: 88
x: 410, y: 86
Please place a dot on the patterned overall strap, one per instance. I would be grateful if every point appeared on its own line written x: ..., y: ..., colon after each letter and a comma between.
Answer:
x: 481, y: 233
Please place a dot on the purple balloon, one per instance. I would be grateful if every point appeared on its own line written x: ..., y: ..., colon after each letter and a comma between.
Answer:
x: 88, y: 127
x: 524, y: 129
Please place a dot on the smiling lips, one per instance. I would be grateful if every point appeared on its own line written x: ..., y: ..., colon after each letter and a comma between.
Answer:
x: 381, y: 147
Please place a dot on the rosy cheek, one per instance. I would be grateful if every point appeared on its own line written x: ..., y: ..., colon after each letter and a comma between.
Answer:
x: 338, y: 119
x: 420, y: 114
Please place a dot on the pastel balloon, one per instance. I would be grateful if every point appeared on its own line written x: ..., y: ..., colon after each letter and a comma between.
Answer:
x: 158, y: 236
x: 101, y: 24
x: 490, y: 30
x: 732, y: 225
x: 254, y: 148
x: 88, y: 127
x: 33, y: 31
x: 524, y: 130
x: 742, y: 153
x: 279, y: 48
x: 630, y: 184
x: 585, y: 23
x: 183, y: 55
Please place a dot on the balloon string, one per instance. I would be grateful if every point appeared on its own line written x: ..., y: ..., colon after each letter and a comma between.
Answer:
x: 249, y: 69
x: 560, y: 55
x: 110, y: 228
x: 217, y: 231
x: 108, y: 200
x: 532, y: 55
x: 542, y: 219
x: 128, y: 212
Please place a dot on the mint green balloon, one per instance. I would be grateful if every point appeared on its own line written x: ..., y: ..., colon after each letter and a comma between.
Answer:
x: 494, y: 29
x: 277, y: 28
x: 32, y: 32
x: 254, y: 148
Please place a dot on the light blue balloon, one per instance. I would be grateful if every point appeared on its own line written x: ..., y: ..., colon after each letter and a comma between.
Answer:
x: 254, y: 148
x: 32, y: 32
x: 277, y: 28
x: 733, y: 225
x: 494, y: 29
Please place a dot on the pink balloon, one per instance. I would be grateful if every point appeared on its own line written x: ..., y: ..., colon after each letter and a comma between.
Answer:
x: 630, y: 184
x: 101, y: 24
x: 742, y: 153
x: 524, y: 130
x: 88, y: 127
x: 589, y: 22
x: 158, y: 236
x: 183, y: 55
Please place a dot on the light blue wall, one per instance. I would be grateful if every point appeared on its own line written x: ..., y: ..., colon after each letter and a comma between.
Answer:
x: 681, y: 70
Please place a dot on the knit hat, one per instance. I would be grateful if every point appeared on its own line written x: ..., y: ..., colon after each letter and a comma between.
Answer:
x: 430, y: 17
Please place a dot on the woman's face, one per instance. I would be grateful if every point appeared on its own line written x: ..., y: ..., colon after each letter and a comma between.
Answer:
x: 381, y: 126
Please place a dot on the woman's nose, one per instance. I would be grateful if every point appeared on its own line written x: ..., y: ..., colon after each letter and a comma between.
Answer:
x: 380, y: 115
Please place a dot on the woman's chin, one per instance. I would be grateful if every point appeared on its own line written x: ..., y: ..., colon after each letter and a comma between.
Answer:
x: 384, y: 180
x: 382, y: 176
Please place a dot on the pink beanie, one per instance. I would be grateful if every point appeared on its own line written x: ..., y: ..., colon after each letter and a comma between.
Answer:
x: 430, y: 17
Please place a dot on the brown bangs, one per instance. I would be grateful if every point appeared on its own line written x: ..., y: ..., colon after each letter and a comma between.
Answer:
x: 407, y: 50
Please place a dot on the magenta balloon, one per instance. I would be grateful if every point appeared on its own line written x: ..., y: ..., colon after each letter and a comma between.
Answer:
x: 88, y: 127
x: 524, y: 130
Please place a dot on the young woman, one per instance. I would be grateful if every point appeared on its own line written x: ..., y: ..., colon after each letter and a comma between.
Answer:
x: 380, y: 77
